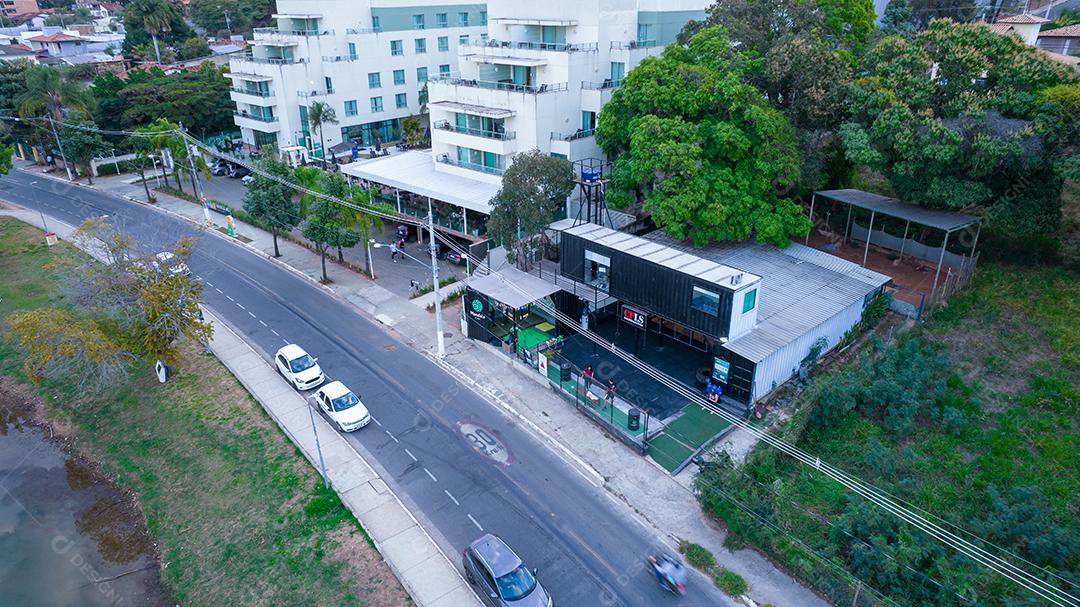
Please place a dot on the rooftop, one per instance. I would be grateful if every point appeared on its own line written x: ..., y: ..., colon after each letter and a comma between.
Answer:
x: 1069, y: 31
x: 1025, y: 18
x: 801, y: 288
x: 414, y: 171
x: 934, y: 218
x: 512, y: 287
x: 58, y: 37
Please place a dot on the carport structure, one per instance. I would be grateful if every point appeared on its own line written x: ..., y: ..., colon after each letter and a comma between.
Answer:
x: 885, y: 212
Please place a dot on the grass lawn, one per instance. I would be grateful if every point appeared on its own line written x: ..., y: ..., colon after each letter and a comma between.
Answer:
x: 239, y: 516
x: 681, y: 438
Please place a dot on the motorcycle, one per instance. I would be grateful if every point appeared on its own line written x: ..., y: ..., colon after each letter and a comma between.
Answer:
x: 670, y: 573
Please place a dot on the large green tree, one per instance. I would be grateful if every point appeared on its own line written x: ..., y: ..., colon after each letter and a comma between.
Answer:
x: 81, y: 143
x: 954, y: 119
x: 155, y: 22
x: 323, y: 225
x: 198, y: 99
x: 272, y: 201
x: 235, y: 16
x: 702, y: 149
x: 758, y: 25
x: 533, y: 189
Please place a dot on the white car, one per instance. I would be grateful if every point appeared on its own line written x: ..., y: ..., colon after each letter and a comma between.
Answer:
x: 167, y: 261
x: 342, y: 406
x: 298, y: 367
x: 247, y: 179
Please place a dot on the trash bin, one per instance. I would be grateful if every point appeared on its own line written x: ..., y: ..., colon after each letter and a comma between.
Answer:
x: 633, y: 420
x: 564, y: 370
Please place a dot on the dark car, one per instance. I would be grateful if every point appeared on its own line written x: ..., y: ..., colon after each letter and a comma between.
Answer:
x: 406, y: 232
x: 455, y: 258
x: 501, y: 578
x: 237, y: 171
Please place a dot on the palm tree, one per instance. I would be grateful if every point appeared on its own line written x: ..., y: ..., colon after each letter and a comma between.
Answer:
x: 48, y: 92
x: 318, y: 114
x: 157, y: 17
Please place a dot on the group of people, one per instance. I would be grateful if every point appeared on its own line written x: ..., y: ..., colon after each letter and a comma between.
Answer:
x: 589, y: 376
x: 396, y: 249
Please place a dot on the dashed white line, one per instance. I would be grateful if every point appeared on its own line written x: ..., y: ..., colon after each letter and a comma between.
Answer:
x: 229, y: 297
x: 392, y: 437
x: 474, y: 522
x: 275, y: 332
x: 452, y: 498
x: 208, y: 283
x: 219, y: 290
x: 250, y: 314
x: 285, y: 341
x: 430, y: 475
x: 263, y: 323
x: 409, y: 453
x: 377, y: 422
x: 241, y: 306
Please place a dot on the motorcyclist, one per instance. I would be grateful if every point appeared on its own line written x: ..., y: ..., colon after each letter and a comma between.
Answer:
x: 670, y: 573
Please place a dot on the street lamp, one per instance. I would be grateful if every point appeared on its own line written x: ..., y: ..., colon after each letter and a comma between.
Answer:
x: 371, y: 244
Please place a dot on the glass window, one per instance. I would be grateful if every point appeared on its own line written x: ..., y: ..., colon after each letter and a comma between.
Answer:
x: 399, y: 76
x: 375, y: 24
x: 463, y: 18
x: 463, y: 39
x: 352, y: 50
x: 597, y: 270
x: 483, y: 17
x: 644, y: 33
x: 441, y: 20
x: 400, y: 100
x: 350, y: 108
x: 418, y: 22
x: 618, y: 71
x: 484, y: 37
x: 395, y: 48
x: 376, y: 104
x: 705, y: 301
x: 329, y: 84
x: 444, y: 69
x: 749, y: 301
x: 374, y: 80
x: 420, y: 45
x: 517, y: 584
x: 421, y: 74
x: 444, y: 44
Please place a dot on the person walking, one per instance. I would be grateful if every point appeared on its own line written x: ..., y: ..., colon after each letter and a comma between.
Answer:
x: 587, y: 375
x: 393, y: 251
x: 609, y: 396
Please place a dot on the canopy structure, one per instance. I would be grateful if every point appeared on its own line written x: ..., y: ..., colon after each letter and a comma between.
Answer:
x: 414, y: 171
x: 512, y: 287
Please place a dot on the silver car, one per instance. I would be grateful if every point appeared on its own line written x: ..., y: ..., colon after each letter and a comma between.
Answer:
x: 501, y: 578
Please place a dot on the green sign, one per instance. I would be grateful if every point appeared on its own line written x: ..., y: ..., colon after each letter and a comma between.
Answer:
x: 720, y: 369
x: 477, y: 305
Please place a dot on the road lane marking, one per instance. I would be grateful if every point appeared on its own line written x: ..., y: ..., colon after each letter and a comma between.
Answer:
x: 219, y: 290
x: 241, y: 306
x: 390, y: 435
x: 250, y: 314
x: 409, y: 453
x: 208, y: 283
x: 229, y: 297
x: 432, y: 476
x: 263, y: 324
x: 275, y: 333
x: 285, y: 342
x: 452, y: 498
x: 474, y: 522
x: 377, y: 422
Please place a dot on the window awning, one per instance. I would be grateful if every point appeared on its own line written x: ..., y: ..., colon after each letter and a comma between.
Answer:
x: 512, y: 287
x: 502, y: 60
x: 415, y: 172
x: 479, y: 110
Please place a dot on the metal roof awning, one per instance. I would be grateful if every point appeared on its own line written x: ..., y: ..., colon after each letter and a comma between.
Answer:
x: 479, y: 110
x: 414, y: 171
x: 521, y: 21
x: 501, y: 60
x: 934, y: 218
x: 512, y: 287
x: 249, y: 77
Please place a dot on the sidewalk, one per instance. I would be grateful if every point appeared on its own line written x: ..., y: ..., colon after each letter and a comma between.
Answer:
x: 423, y: 569
x: 667, y: 503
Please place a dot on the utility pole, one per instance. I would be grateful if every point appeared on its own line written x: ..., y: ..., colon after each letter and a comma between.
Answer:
x: 441, y: 347
x: 318, y: 447
x: 228, y: 23
x: 56, y: 135
x: 194, y: 178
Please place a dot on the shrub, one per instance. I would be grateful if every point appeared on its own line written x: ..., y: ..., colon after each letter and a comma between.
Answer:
x: 731, y: 583
x: 698, y: 556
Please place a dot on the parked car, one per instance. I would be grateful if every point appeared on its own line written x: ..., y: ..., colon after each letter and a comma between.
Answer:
x: 236, y: 171
x: 298, y: 367
x: 167, y: 261
x: 406, y: 232
x: 247, y: 179
x: 219, y: 167
x: 342, y: 406
x: 454, y: 257
x: 501, y: 577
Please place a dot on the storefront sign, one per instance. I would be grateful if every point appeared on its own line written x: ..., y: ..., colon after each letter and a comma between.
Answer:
x: 635, y: 317
x: 541, y: 364
x: 720, y: 370
x: 476, y: 308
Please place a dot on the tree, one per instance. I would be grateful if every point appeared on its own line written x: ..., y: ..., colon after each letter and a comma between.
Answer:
x: 49, y: 92
x: 6, y: 152
x: 758, y: 25
x: 144, y: 149
x: 323, y: 225
x: 198, y: 99
x: 533, y: 189
x: 898, y: 20
x: 153, y: 21
x: 700, y: 148
x: 242, y: 14
x: 365, y: 223
x: 194, y: 47
x: 57, y: 343
x: 272, y: 201
x: 412, y: 131
x: 960, y: 11
x: 321, y: 113
x: 82, y: 145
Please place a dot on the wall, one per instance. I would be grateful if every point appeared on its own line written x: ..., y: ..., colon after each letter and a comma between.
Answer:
x: 666, y: 25
x: 742, y: 323
x: 911, y: 248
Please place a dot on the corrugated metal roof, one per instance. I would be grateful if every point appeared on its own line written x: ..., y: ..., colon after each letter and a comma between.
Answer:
x: 682, y: 260
x: 934, y: 218
x: 800, y: 289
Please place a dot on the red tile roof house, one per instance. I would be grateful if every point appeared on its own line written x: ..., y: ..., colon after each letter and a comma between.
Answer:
x: 1026, y: 26
x: 1064, y: 40
x: 60, y: 44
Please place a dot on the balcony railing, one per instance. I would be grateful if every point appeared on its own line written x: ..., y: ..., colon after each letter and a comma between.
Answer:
x: 363, y: 30
x: 339, y: 58
x: 536, y: 46
x: 605, y: 84
x: 273, y: 60
x: 315, y: 93
x: 255, y: 117
x: 446, y: 125
x: 256, y: 93
x: 501, y: 85
x: 473, y: 166
x: 286, y: 32
x: 580, y: 134
x: 633, y: 44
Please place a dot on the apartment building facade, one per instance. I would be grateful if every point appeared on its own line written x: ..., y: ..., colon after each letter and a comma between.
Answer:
x: 367, y: 59
x: 537, y: 80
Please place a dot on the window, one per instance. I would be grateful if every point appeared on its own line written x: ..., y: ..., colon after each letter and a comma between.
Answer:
x: 421, y: 74
x: 375, y: 24
x: 376, y: 104
x: 483, y: 17
x: 350, y: 108
x: 597, y: 270
x: 644, y: 34
x: 705, y: 301
x: 463, y: 19
x: 463, y: 39
x: 484, y: 37
x: 749, y: 301
x: 395, y: 48
x: 352, y: 50
x: 444, y: 69
x: 374, y: 80
x: 618, y: 71
x: 329, y: 84
x: 444, y: 44
x: 418, y: 22
x: 399, y: 76
x: 441, y: 20
x: 400, y: 100
x: 420, y: 45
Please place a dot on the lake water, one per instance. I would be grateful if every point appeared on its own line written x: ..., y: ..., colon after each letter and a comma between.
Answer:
x: 66, y: 537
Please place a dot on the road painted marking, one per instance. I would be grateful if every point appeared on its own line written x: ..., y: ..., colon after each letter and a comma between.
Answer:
x: 241, y: 306
x: 432, y: 476
x: 409, y: 453
x: 452, y: 498
x: 219, y: 290
x: 377, y: 422
x: 263, y: 324
x: 250, y: 314
x: 286, y: 342
x: 390, y: 435
x: 275, y: 332
x: 229, y: 297
x: 474, y: 522
x: 208, y: 283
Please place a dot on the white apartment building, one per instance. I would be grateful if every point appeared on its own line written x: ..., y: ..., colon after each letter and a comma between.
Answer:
x: 537, y: 80
x: 368, y: 59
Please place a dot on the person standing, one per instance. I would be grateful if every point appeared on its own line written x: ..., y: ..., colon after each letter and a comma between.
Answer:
x: 587, y: 375
x: 393, y: 251
x: 609, y: 397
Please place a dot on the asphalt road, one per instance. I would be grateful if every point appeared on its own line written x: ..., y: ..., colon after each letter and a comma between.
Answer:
x: 588, y: 549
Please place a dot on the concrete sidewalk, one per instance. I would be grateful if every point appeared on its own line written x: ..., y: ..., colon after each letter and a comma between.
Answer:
x: 667, y: 503
x: 425, y: 571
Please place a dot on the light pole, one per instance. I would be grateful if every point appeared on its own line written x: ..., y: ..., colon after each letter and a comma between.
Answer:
x: 441, y: 347
x: 371, y: 244
x: 318, y: 447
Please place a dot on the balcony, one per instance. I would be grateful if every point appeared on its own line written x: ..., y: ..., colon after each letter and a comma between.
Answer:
x: 446, y: 125
x: 353, y: 31
x: 603, y: 85
x: 255, y: 117
x: 306, y: 94
x: 265, y: 124
x: 270, y: 60
x: 340, y: 58
x: 253, y: 93
x: 252, y: 97
x: 579, y: 134
x: 499, y: 143
x: 537, y: 46
x: 472, y: 166
x: 273, y: 31
x: 500, y: 85
x: 632, y: 45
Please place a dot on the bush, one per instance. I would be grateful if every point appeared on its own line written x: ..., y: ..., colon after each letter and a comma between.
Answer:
x: 731, y: 583
x: 698, y: 556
